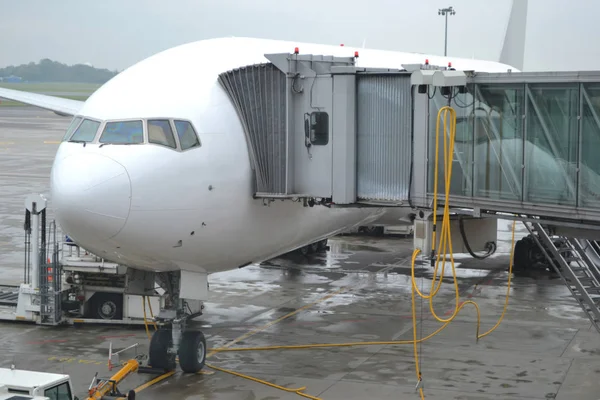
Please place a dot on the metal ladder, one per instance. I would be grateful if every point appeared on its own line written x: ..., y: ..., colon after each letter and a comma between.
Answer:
x: 572, y: 263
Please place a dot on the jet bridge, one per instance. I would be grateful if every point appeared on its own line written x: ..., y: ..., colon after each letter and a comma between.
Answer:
x: 322, y: 129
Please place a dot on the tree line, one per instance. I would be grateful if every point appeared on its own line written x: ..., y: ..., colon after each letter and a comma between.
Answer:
x: 52, y: 71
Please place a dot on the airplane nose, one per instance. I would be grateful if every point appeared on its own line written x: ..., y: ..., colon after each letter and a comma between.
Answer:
x: 91, y: 196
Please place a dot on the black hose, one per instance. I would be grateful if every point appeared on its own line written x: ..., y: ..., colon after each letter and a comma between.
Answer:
x: 489, y: 246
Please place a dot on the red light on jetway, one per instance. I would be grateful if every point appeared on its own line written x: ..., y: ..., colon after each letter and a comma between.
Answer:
x: 356, y: 54
x: 296, y: 50
x: 449, y: 64
x: 427, y: 61
x: 342, y: 44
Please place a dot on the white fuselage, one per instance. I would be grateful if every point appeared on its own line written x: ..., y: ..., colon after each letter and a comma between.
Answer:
x: 152, y: 207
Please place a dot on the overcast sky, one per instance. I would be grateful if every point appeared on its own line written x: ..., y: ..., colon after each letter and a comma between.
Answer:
x: 115, y: 34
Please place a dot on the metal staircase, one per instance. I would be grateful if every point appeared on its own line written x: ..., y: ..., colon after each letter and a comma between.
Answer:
x: 571, y: 260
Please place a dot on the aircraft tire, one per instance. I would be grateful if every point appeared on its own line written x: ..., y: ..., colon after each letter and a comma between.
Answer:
x: 192, y: 351
x: 521, y: 257
x: 160, y: 343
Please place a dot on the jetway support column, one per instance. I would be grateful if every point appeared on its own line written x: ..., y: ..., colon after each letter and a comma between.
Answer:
x: 420, y: 81
x: 344, y: 138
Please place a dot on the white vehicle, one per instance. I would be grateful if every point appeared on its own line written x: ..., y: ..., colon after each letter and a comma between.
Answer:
x: 154, y: 172
x: 22, y: 384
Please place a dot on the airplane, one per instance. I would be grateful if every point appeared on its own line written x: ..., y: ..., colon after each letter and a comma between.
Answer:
x: 154, y: 173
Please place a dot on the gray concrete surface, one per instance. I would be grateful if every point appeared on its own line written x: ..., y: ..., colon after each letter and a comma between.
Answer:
x: 544, y: 348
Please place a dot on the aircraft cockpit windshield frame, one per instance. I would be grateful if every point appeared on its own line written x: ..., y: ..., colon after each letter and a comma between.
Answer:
x: 122, y: 132
x: 174, y: 133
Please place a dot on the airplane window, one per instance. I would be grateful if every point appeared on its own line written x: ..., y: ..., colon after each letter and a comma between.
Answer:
x: 187, y: 135
x: 74, y: 123
x: 160, y: 132
x: 86, y: 132
x: 123, y: 132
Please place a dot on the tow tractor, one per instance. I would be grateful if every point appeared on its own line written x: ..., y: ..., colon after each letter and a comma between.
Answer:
x: 22, y: 384
x: 25, y: 384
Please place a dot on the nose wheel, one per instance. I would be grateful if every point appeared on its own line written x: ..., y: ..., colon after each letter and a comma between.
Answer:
x: 191, y: 351
x: 160, y: 354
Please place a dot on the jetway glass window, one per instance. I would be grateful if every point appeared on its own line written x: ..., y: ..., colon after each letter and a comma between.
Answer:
x: 551, y: 143
x: 123, y: 132
x: 589, y: 174
x: 74, y: 124
x: 187, y: 135
x: 86, y: 132
x: 462, y: 164
x: 497, y: 117
x: 160, y: 132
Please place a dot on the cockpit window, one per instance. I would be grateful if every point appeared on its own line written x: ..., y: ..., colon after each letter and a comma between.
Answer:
x: 86, y: 132
x: 74, y: 123
x: 160, y: 132
x: 123, y: 132
x: 187, y: 135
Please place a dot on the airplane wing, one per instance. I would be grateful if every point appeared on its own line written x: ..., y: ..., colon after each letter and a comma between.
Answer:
x: 59, y: 105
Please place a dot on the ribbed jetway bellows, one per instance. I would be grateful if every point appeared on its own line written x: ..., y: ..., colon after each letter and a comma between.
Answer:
x: 384, y: 131
x: 259, y: 95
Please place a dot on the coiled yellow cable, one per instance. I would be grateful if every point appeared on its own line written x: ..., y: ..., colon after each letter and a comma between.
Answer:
x: 445, y: 243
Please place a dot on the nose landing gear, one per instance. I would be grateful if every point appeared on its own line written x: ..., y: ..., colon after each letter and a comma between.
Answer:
x: 188, y: 344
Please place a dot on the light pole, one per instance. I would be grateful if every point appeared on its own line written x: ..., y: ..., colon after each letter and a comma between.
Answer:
x: 445, y: 12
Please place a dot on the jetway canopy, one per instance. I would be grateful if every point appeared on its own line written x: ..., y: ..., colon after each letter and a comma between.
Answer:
x: 320, y: 128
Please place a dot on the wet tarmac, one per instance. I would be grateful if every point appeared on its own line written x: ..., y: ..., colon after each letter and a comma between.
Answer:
x: 358, y: 291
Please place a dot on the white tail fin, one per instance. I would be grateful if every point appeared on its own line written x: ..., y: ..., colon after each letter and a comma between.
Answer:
x: 513, y: 48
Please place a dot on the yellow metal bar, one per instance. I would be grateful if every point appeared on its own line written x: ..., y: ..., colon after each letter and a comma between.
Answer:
x: 105, y: 387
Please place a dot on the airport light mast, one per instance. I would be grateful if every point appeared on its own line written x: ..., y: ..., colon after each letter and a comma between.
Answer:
x: 445, y: 12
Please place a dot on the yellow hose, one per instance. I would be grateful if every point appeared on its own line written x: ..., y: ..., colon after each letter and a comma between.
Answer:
x: 145, y: 316
x: 445, y: 244
x: 297, y: 391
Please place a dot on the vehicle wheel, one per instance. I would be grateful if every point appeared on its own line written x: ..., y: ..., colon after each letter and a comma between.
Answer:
x: 192, y: 351
x: 160, y: 358
x: 107, y: 306
x: 131, y: 395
